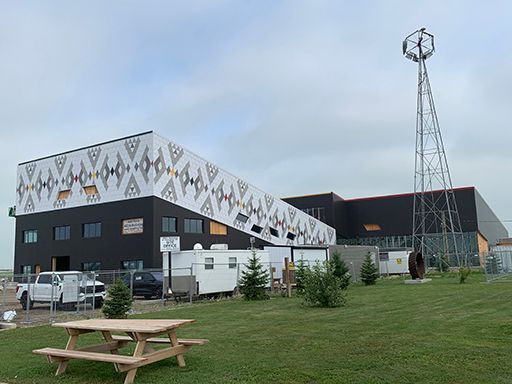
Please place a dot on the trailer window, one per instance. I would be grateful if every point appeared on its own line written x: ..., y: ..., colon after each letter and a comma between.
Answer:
x: 232, y: 262
x: 208, y: 263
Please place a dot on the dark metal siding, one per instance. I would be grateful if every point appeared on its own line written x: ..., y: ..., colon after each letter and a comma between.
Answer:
x: 394, y: 214
x: 113, y: 247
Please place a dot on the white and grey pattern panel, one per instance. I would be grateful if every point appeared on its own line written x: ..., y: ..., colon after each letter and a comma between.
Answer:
x: 118, y: 170
x: 192, y: 182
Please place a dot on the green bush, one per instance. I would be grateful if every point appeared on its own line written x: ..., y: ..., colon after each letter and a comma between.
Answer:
x: 340, y: 269
x: 369, y: 271
x: 119, y: 301
x: 253, y: 283
x: 322, y: 288
x: 463, y: 274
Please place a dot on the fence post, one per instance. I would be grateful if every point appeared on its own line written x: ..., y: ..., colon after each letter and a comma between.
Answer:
x: 4, y: 292
x: 84, y: 284
x: 191, y: 283
x: 131, y: 282
x: 52, y: 300
x: 93, y: 293
x: 27, y: 319
x: 77, y: 305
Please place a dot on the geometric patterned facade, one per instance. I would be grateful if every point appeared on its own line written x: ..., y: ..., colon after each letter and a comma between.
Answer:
x: 148, y: 165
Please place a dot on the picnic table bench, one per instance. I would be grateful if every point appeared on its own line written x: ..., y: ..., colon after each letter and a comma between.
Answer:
x: 142, y: 332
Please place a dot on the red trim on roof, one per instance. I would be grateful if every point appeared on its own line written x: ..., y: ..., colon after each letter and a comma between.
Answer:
x: 403, y: 194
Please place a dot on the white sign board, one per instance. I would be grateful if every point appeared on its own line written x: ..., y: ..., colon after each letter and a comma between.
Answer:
x: 169, y: 244
x: 133, y: 226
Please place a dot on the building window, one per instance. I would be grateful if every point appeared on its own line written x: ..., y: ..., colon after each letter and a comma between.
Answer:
x: 169, y: 224
x: 26, y: 269
x: 256, y: 228
x: 91, y: 190
x: 232, y: 262
x: 91, y: 266
x: 291, y: 236
x: 274, y: 232
x: 194, y: 226
x: 30, y: 236
x: 241, y: 217
x: 218, y: 228
x: 63, y: 195
x: 91, y: 230
x: 61, y: 233
x: 318, y: 213
x: 132, y: 264
x: 372, y: 227
x: 208, y: 263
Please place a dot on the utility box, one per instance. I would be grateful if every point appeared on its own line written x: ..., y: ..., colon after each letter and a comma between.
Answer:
x: 394, y: 262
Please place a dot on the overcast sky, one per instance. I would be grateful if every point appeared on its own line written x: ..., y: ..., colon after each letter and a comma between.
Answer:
x: 296, y: 97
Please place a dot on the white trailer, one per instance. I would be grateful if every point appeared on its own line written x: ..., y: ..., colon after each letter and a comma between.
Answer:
x: 214, y: 270
x: 394, y: 262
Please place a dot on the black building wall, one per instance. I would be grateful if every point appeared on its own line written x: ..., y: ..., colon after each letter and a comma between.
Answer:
x: 394, y: 213
x: 113, y: 247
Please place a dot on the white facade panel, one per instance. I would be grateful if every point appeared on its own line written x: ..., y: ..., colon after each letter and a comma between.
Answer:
x: 149, y: 165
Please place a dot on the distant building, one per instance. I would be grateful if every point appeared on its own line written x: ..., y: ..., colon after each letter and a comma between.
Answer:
x: 386, y: 221
x: 106, y: 206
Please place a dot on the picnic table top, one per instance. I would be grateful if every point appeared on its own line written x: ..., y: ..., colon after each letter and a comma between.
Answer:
x: 125, y: 325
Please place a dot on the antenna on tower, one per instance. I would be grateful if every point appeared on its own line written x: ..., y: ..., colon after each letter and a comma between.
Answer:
x: 437, y: 230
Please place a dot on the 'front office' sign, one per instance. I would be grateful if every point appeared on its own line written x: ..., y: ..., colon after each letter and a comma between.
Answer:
x: 169, y: 244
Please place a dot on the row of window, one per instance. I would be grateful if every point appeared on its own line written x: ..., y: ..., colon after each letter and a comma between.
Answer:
x: 64, y: 232
x: 317, y: 213
x: 209, y: 263
x: 169, y: 225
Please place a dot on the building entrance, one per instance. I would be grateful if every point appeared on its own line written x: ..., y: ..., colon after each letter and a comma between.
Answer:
x: 60, y: 263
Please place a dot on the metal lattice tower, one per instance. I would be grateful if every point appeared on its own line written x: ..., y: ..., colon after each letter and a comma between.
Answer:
x: 437, y: 229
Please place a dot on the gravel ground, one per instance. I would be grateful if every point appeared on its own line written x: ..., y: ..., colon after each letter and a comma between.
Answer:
x: 40, y: 313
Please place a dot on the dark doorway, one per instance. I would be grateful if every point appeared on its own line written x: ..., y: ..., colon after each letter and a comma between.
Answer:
x: 60, y: 263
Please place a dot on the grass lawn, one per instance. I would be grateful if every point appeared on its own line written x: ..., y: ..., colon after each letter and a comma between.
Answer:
x: 440, y: 332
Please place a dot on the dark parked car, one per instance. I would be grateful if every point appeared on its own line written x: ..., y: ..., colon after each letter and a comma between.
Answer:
x: 147, y: 284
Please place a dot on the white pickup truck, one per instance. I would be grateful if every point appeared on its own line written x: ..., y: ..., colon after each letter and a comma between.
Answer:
x: 64, y: 288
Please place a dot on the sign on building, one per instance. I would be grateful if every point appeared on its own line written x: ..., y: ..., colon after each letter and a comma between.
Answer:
x: 133, y: 226
x: 169, y: 244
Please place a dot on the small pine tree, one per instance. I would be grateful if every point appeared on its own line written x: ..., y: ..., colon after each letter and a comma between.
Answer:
x: 254, y: 280
x: 340, y: 269
x: 119, y: 301
x: 300, y: 272
x: 369, y: 272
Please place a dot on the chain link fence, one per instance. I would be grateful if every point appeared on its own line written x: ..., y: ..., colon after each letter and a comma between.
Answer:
x: 498, y: 266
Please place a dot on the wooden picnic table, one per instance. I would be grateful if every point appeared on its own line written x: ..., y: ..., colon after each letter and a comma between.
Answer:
x: 143, y: 332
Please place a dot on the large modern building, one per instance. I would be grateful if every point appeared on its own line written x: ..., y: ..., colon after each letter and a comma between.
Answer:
x: 106, y: 206
x: 386, y: 221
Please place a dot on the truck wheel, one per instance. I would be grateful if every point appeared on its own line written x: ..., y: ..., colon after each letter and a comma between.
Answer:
x: 98, y: 303
x: 23, y: 302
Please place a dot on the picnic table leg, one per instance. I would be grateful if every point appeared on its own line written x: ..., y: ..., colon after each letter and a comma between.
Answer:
x: 107, y: 335
x: 139, y: 350
x: 174, y: 343
x: 70, y: 345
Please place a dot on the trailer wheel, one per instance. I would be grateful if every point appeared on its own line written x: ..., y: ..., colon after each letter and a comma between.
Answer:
x: 98, y: 303
x: 23, y: 301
